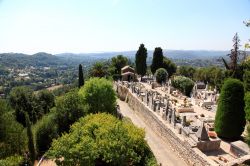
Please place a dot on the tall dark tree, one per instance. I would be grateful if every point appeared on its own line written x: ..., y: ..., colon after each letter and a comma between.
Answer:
x: 157, y: 59
x: 80, y: 75
x: 22, y: 101
x: 232, y: 67
x: 230, y: 115
x: 30, y: 139
x: 140, y: 60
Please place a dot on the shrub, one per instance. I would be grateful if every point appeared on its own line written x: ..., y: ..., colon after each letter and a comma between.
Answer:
x: 45, y: 131
x: 68, y: 110
x: 101, y: 139
x: 246, y: 79
x: 12, y: 138
x: 98, y: 95
x: 247, y: 105
x: 161, y: 75
x: 230, y: 115
x: 184, y: 84
x: 12, y: 161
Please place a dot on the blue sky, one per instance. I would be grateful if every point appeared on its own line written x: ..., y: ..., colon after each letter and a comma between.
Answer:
x: 57, y: 26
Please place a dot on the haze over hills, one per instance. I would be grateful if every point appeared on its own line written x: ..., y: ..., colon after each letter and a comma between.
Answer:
x: 173, y: 54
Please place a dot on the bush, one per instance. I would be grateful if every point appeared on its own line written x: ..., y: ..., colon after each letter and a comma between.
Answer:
x: 161, y: 75
x: 184, y: 84
x: 98, y: 95
x: 230, y: 115
x: 45, y: 131
x: 68, y: 110
x: 12, y: 138
x: 12, y: 161
x: 246, y: 79
x: 101, y: 139
x: 247, y: 105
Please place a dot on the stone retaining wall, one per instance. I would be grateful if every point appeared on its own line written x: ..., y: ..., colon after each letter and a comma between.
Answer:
x: 183, y: 148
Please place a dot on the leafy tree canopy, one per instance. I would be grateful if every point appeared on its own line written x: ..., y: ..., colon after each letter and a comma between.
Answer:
x: 101, y: 139
x: 161, y: 75
x: 98, y: 94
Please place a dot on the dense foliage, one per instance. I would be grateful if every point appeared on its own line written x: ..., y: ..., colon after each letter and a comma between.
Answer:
x: 169, y: 66
x: 157, y: 61
x: 161, y: 75
x: 246, y: 80
x: 12, y: 161
x: 141, y: 60
x: 12, y: 138
x: 98, y: 95
x: 45, y: 131
x: 230, y: 115
x: 21, y: 100
x: 68, y: 110
x: 101, y: 139
x: 184, y: 84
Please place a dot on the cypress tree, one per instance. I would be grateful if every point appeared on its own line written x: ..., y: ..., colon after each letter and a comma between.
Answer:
x: 157, y: 59
x: 30, y: 139
x: 230, y: 116
x: 80, y: 75
x: 140, y: 60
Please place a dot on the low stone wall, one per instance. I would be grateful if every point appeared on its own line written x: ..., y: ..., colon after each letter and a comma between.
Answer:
x: 183, y: 149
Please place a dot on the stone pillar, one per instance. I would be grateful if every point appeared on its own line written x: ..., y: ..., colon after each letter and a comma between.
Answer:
x: 169, y: 116
x: 154, y: 106
x: 173, y: 118
x: 184, y: 120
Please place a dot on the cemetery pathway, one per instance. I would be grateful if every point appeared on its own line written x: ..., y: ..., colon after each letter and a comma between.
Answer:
x: 161, y: 149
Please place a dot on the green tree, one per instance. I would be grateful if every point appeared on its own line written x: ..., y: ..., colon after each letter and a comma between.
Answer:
x: 234, y: 70
x: 21, y: 100
x: 161, y: 75
x: 246, y: 79
x: 11, y: 132
x: 31, y: 146
x: 157, y: 59
x: 68, y: 110
x: 98, y: 95
x: 184, y: 84
x: 169, y: 66
x: 101, y: 139
x: 186, y: 71
x: 118, y: 63
x: 99, y: 69
x: 80, y: 77
x: 45, y: 130
x: 247, y: 105
x: 230, y: 115
x: 46, y: 100
x: 140, y: 60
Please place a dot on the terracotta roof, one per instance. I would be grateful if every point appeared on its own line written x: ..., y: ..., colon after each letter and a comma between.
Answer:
x: 126, y: 67
x: 127, y: 73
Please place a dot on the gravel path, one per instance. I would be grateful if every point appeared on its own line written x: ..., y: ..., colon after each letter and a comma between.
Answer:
x: 161, y: 149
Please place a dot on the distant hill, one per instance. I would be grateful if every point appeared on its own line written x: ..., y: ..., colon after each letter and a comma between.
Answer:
x: 197, y: 58
x: 21, y: 60
x: 173, y: 54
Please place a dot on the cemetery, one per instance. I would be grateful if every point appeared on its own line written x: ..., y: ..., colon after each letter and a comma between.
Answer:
x: 187, y: 123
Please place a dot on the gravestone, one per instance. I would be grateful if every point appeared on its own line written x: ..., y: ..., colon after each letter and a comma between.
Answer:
x: 184, y: 120
x: 173, y: 118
